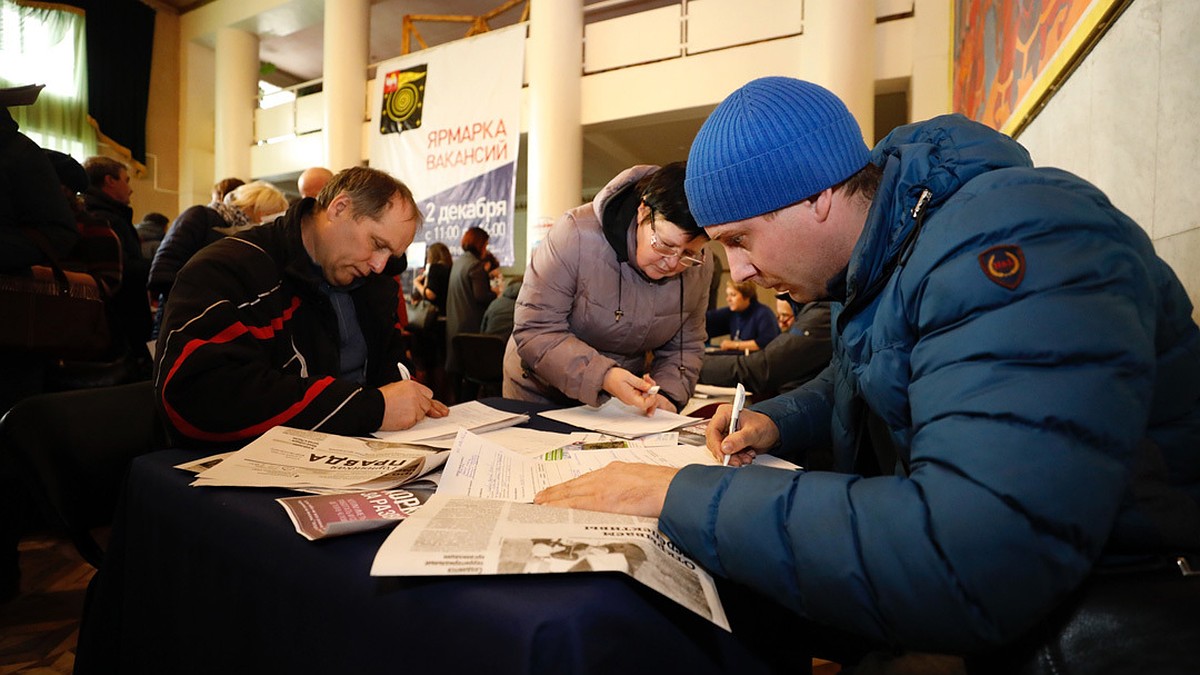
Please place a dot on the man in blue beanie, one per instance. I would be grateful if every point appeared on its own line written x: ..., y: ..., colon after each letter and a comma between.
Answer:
x: 1013, y: 402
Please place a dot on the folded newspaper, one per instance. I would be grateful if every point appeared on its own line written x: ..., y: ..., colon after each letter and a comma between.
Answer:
x: 305, y: 460
x: 333, y: 515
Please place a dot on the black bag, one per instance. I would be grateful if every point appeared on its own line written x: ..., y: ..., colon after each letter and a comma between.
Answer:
x: 1138, y: 619
x: 53, y: 312
x: 422, y: 316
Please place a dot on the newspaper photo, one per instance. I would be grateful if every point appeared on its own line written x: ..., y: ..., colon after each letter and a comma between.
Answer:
x: 473, y: 536
x: 303, y: 460
x: 320, y: 516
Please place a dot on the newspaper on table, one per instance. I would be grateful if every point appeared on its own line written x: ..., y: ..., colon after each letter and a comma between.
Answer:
x: 471, y: 415
x: 320, y: 516
x: 480, y: 521
x: 305, y: 460
x: 619, y: 419
x: 474, y: 536
x: 480, y: 467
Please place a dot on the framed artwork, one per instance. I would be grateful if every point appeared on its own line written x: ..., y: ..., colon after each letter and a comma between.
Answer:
x: 1009, y: 55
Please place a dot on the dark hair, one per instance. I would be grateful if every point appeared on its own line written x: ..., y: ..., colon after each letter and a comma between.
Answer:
x: 70, y: 172
x: 156, y: 218
x: 865, y: 182
x: 662, y: 191
x: 98, y: 167
x: 746, y: 289
x: 439, y: 254
x: 225, y: 186
x: 474, y: 239
x: 370, y: 192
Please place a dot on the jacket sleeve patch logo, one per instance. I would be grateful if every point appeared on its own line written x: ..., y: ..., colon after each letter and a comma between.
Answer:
x: 1004, y: 265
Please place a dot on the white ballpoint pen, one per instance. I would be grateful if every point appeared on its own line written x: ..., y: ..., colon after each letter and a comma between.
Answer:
x: 739, y: 402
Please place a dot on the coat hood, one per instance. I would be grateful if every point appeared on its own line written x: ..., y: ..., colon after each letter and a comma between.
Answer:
x: 940, y: 155
x: 616, y: 209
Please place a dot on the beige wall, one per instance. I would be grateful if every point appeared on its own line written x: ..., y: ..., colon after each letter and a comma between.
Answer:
x: 1125, y: 121
x: 158, y: 189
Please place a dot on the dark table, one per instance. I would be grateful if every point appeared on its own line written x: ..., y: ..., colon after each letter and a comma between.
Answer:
x: 216, y: 580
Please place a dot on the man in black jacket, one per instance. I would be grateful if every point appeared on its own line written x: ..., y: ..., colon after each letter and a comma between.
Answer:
x: 107, y: 198
x: 294, y: 323
x: 799, y: 354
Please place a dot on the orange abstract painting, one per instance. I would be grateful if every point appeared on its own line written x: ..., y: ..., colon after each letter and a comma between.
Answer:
x: 1007, y: 52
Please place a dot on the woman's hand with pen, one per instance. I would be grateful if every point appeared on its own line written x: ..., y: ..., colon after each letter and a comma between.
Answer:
x: 639, y: 392
x: 756, y: 433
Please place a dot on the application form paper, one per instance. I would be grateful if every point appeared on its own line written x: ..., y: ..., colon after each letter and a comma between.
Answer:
x: 618, y: 419
x: 479, y: 467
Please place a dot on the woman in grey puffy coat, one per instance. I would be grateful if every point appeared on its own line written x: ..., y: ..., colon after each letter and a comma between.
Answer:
x: 614, y: 298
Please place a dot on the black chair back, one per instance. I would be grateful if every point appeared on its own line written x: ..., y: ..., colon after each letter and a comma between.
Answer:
x: 482, y: 359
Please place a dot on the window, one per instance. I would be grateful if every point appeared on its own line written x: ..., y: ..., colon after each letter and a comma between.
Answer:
x: 39, y: 45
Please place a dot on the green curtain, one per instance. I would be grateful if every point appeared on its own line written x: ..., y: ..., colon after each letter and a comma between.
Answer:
x: 41, y: 43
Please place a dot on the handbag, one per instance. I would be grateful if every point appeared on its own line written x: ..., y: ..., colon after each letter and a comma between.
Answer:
x: 422, y: 316
x: 50, y: 311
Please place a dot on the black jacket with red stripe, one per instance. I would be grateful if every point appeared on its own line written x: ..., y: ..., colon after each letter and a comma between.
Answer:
x: 249, y: 341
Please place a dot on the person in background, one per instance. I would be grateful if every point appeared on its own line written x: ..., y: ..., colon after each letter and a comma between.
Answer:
x: 312, y: 180
x: 294, y: 323
x: 222, y: 188
x: 749, y: 324
x: 498, y: 319
x: 433, y: 282
x: 613, y: 281
x: 1013, y: 400
x: 151, y: 231
x: 198, y: 226
x: 800, y: 352
x: 29, y: 193
x: 468, y: 296
x: 107, y: 198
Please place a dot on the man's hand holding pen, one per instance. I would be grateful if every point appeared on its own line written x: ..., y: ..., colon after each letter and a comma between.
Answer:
x: 756, y: 433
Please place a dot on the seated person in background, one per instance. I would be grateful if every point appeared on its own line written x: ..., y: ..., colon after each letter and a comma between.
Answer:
x: 222, y: 188
x: 198, y: 226
x: 151, y: 231
x: 498, y: 317
x: 312, y: 180
x: 799, y: 354
x: 749, y: 324
x: 294, y: 322
x: 29, y: 193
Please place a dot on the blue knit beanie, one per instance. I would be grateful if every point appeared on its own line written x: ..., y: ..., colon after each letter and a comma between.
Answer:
x: 773, y: 142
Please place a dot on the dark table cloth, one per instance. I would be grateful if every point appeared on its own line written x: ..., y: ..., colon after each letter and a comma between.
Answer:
x: 216, y: 580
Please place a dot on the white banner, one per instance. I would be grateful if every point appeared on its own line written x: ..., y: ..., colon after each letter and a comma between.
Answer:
x: 447, y: 122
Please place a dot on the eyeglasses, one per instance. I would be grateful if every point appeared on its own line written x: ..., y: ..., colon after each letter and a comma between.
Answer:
x: 686, y: 259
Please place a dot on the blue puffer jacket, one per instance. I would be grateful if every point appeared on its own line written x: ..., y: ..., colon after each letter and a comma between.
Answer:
x: 1038, y: 371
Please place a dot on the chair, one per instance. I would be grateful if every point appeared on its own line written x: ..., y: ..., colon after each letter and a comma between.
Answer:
x: 481, y: 357
x: 73, y: 448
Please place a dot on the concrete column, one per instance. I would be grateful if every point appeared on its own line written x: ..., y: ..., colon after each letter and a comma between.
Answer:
x: 236, y: 99
x: 554, y: 65
x: 347, y: 36
x: 839, y: 54
x: 930, y: 91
